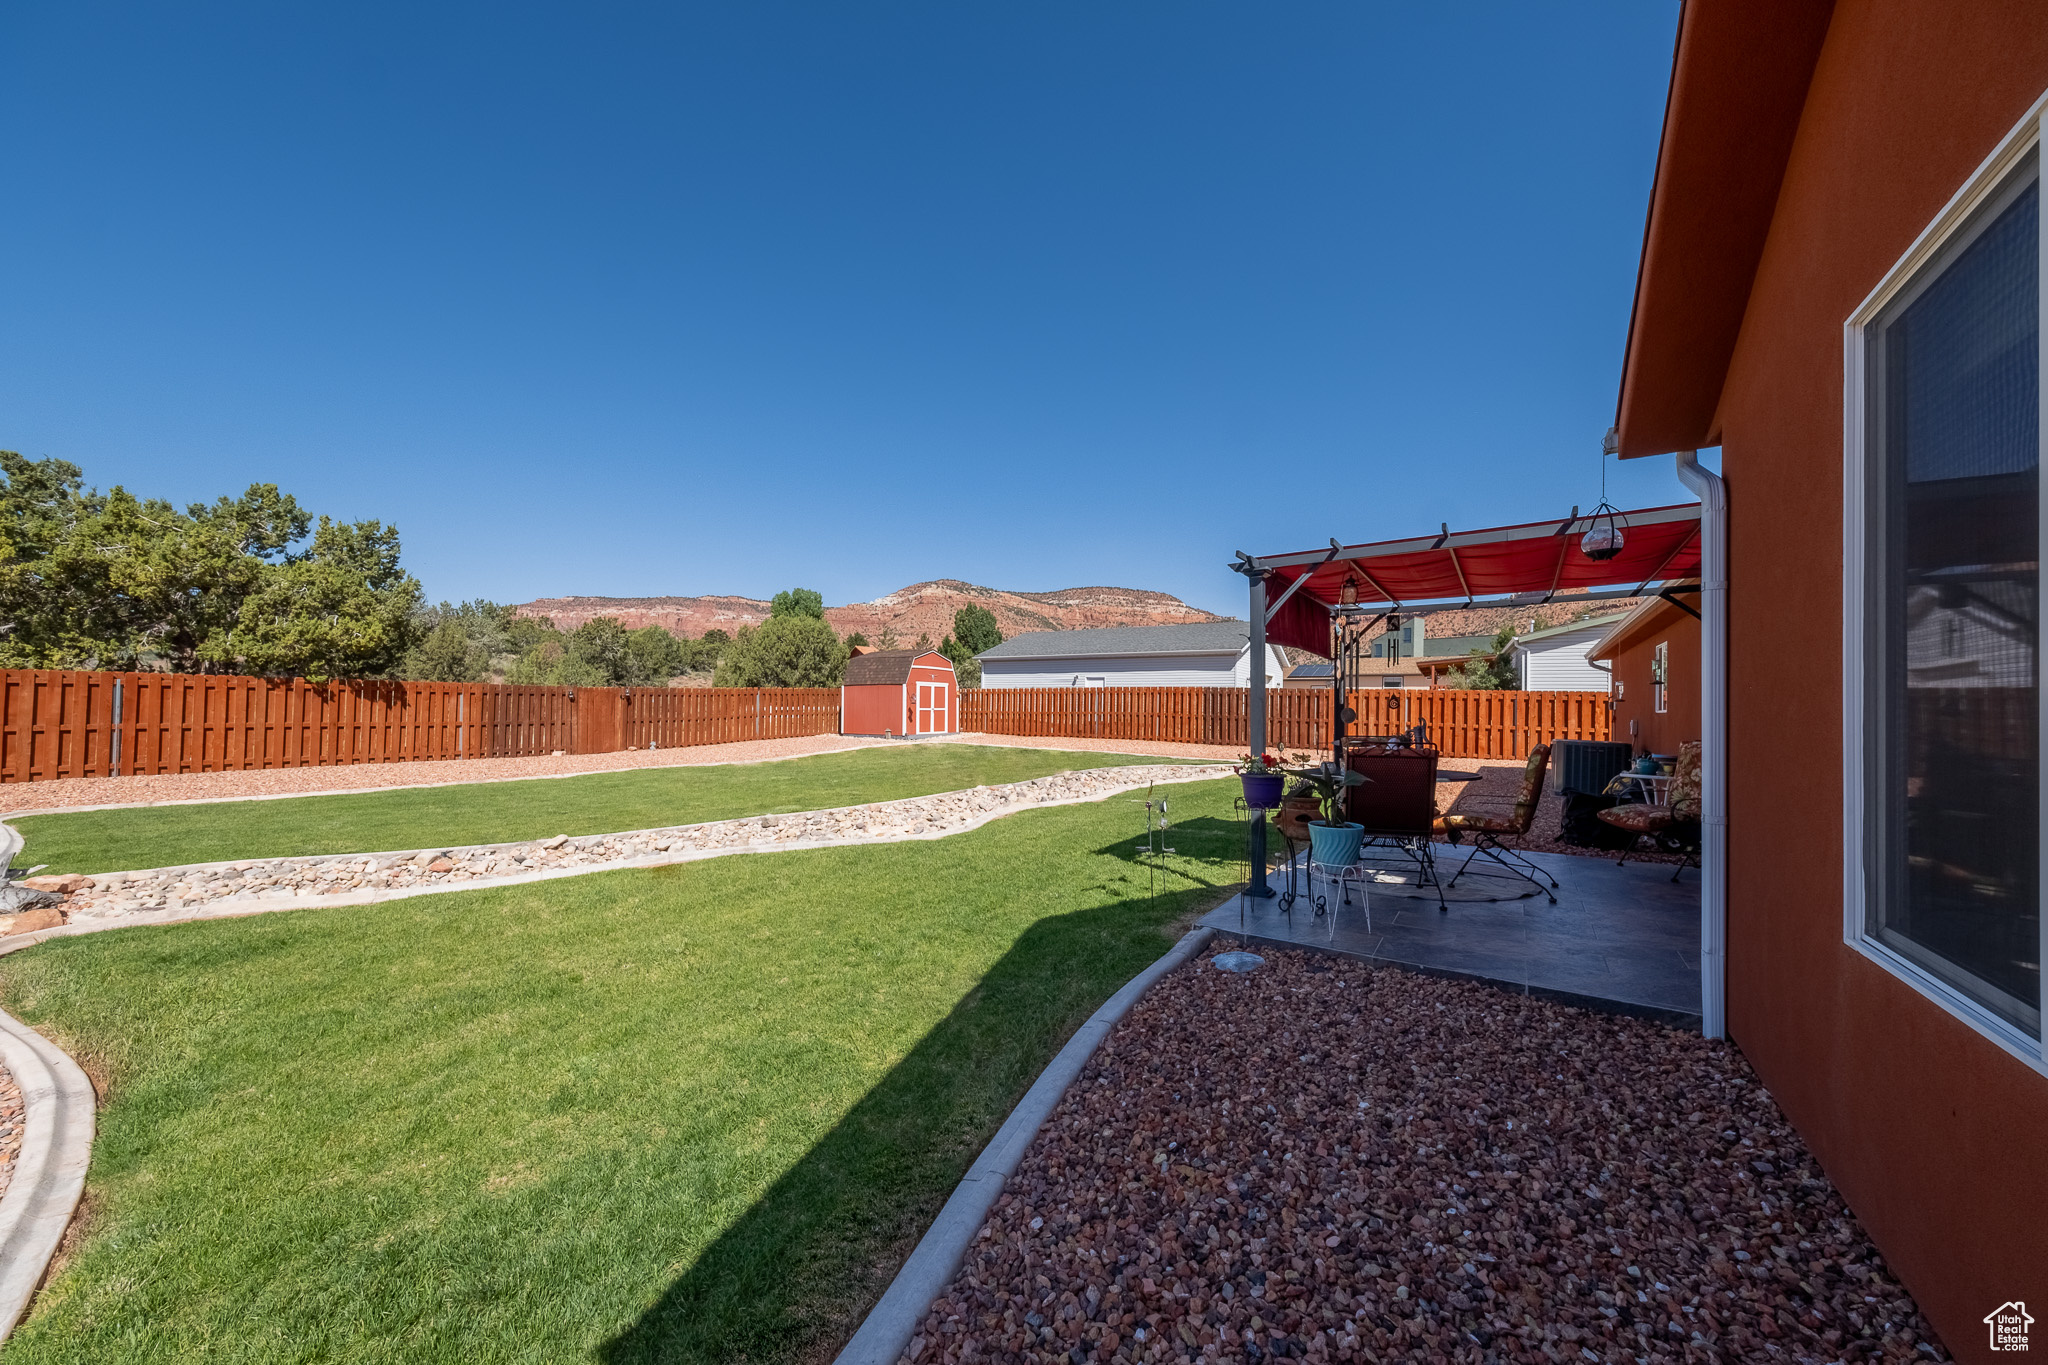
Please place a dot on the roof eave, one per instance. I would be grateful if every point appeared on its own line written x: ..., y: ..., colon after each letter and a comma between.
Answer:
x: 1635, y: 624
x: 1739, y: 76
x: 1120, y: 654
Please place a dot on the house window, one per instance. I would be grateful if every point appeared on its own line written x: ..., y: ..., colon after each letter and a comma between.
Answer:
x: 1390, y: 680
x: 1943, y: 608
x: 1660, y: 665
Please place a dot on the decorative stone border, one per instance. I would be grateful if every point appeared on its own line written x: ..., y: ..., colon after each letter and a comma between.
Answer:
x: 255, y: 886
x: 888, y: 1327
x: 49, y: 1175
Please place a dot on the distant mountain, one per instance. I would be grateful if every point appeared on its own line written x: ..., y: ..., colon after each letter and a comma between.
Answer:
x: 1459, y: 623
x: 920, y: 609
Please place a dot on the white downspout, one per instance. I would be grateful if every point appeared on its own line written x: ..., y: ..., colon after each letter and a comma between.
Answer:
x: 1713, y: 496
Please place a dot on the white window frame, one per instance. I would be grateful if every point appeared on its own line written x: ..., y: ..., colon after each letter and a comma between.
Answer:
x: 1660, y: 676
x: 1977, y: 190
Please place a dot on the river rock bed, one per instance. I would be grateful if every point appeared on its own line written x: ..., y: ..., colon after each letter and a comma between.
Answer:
x: 1335, y: 1162
x: 13, y: 1112
x: 113, y: 896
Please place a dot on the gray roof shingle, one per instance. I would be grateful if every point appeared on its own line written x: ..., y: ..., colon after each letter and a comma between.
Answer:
x: 1195, y: 637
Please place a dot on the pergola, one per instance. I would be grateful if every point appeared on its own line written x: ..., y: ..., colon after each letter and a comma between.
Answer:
x: 1295, y: 597
x: 1520, y: 565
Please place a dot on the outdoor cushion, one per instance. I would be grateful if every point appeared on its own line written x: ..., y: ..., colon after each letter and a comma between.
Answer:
x: 1490, y: 824
x: 1685, y: 779
x: 1532, y: 778
x: 1637, y: 818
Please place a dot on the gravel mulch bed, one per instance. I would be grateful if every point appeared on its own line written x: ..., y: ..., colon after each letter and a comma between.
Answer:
x: 1342, y: 1163
x: 72, y: 792
x: 12, y: 1111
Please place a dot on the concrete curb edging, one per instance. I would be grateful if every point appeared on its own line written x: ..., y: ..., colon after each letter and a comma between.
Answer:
x: 49, y: 1175
x: 892, y: 1322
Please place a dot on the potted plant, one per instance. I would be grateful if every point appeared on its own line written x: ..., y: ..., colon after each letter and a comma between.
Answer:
x: 1299, y: 806
x: 1333, y: 840
x: 1262, y: 776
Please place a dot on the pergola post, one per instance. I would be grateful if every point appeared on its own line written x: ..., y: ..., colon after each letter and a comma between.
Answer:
x: 1255, y: 724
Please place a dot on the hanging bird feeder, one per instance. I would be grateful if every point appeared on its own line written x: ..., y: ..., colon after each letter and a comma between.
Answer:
x: 1603, y: 539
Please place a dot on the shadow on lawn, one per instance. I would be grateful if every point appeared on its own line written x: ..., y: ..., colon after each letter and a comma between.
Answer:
x: 793, y: 1277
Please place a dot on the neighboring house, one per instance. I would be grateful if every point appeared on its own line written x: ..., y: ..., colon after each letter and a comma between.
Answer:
x: 1554, y: 660
x: 1323, y: 675
x: 1840, y: 288
x: 1436, y: 670
x: 1198, y: 654
x: 1655, y: 654
x: 1371, y: 673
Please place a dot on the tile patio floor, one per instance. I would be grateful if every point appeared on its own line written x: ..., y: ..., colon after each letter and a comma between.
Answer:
x: 1624, y: 939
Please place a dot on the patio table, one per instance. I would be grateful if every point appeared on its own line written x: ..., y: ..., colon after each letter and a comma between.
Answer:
x: 1650, y: 789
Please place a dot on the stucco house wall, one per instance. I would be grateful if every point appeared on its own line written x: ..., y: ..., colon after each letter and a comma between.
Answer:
x: 1933, y: 1132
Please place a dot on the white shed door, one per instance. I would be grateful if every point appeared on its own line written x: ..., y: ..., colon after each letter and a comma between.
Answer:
x: 931, y: 708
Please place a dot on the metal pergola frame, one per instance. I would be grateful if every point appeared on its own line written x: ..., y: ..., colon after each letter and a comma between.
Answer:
x: 1258, y: 570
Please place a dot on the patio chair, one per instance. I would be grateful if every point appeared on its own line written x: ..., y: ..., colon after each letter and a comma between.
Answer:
x: 1397, y: 805
x: 1674, y: 825
x: 1488, y: 831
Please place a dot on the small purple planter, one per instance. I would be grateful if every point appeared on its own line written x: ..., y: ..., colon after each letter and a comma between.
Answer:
x: 1262, y: 789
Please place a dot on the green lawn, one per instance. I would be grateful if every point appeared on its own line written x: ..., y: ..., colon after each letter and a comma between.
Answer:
x: 498, y: 812
x: 693, y: 1113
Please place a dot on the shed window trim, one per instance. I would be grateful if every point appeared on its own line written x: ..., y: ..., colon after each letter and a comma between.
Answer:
x: 2005, y: 172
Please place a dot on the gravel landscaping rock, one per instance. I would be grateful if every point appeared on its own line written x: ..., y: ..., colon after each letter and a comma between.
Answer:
x: 81, y: 792
x: 110, y: 899
x: 1334, y: 1162
x: 12, y: 1111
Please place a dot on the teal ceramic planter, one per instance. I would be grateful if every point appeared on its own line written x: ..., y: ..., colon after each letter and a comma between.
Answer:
x: 1334, y: 845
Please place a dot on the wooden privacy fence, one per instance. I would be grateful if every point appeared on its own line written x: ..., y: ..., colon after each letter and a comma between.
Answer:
x: 57, y: 723
x: 671, y: 717
x: 1180, y: 715
x: 1471, y: 723
x: 1463, y: 724
x: 60, y: 723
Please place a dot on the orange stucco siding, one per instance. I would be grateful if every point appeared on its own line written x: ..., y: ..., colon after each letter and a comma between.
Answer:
x: 1934, y: 1134
x: 1636, y: 717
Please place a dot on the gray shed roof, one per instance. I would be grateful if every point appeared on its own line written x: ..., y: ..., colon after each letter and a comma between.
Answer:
x: 1199, y: 637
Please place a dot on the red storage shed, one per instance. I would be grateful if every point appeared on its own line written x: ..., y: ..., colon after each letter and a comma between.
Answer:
x: 899, y: 692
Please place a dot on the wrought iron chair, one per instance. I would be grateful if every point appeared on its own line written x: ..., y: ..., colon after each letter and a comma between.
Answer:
x: 1674, y: 825
x: 1397, y: 806
x: 1487, y: 831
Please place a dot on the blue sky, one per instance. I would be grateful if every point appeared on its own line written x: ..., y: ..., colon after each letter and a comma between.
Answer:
x: 685, y: 299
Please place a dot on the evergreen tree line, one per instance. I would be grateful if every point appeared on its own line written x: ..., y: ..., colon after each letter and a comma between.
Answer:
x: 257, y: 585
x: 485, y: 642
x: 794, y: 647
x: 240, y: 585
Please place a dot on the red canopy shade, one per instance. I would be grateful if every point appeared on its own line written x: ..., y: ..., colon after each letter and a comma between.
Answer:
x: 1537, y: 559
